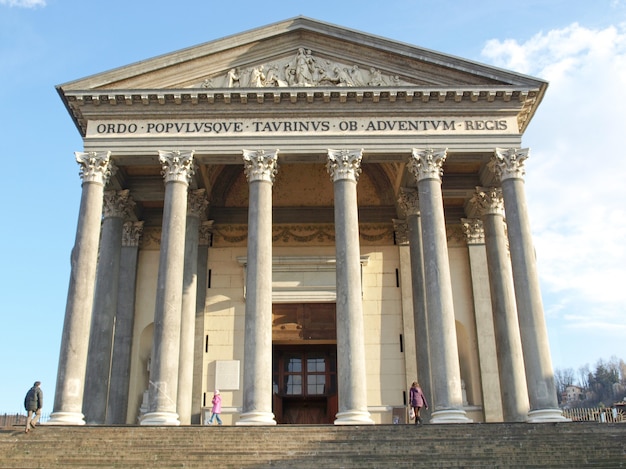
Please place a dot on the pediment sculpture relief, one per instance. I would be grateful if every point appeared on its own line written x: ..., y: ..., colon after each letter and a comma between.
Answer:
x: 302, y: 70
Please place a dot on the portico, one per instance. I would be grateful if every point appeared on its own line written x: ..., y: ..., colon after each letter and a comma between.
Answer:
x: 273, y: 178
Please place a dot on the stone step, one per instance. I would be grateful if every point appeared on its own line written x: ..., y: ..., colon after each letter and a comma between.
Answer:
x: 471, y: 445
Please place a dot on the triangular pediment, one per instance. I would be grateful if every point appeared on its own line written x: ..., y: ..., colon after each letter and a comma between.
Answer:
x: 301, y: 52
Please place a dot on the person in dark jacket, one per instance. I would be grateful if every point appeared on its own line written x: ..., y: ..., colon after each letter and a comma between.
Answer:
x: 33, y: 402
x: 417, y: 400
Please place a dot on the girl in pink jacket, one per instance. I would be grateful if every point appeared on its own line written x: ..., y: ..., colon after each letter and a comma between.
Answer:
x: 217, y: 408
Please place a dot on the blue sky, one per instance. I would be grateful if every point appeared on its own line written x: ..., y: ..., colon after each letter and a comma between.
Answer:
x: 575, y: 174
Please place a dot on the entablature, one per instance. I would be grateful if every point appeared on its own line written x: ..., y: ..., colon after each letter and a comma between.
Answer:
x: 98, y: 104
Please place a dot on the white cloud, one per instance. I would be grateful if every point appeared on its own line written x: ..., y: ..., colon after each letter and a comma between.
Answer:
x: 24, y: 3
x: 576, y: 174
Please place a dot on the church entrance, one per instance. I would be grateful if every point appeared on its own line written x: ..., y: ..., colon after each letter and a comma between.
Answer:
x: 304, y: 363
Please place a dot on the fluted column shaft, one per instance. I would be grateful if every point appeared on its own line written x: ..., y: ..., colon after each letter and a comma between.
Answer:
x: 116, y: 207
x: 260, y: 169
x: 508, y: 342
x: 509, y: 167
x: 344, y: 167
x: 163, y: 385
x: 444, y: 357
x: 196, y: 209
x: 117, y: 406
x: 68, y: 401
x: 409, y: 201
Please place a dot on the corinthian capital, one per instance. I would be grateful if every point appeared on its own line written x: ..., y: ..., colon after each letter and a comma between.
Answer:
x: 401, y: 232
x: 427, y: 164
x: 508, y: 163
x: 488, y: 201
x: 197, y: 203
x: 117, y: 204
x: 473, y: 230
x: 177, y: 165
x: 409, y: 201
x: 344, y: 164
x: 95, y: 166
x: 205, y: 230
x: 131, y: 233
x: 260, y: 165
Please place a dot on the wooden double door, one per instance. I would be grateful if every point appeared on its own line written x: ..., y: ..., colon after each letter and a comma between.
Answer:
x: 304, y: 365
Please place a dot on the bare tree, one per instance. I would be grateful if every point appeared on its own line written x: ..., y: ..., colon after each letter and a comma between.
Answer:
x: 563, y: 377
x: 583, y: 376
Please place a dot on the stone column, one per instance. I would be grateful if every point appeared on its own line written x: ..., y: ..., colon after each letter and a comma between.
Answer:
x: 508, y: 343
x: 204, y: 242
x: 508, y: 165
x: 117, y: 205
x: 344, y: 167
x: 409, y: 202
x: 447, y: 400
x: 95, y: 169
x: 163, y: 385
x: 490, y: 376
x: 196, y: 209
x: 124, y: 322
x: 260, y: 168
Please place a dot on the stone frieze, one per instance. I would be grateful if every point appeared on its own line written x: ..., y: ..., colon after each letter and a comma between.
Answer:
x: 302, y: 69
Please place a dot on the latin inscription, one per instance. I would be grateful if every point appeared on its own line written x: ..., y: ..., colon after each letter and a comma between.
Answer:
x: 328, y: 126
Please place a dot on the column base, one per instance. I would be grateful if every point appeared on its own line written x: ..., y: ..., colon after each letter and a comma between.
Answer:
x: 66, y: 418
x: 449, y: 416
x: 353, y: 417
x: 256, y: 418
x: 546, y: 416
x: 160, y: 419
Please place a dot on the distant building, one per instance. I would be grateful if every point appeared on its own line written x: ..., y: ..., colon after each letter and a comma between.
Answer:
x: 571, y: 395
x: 308, y: 218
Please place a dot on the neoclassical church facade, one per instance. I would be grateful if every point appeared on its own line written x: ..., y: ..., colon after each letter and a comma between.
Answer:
x: 307, y: 218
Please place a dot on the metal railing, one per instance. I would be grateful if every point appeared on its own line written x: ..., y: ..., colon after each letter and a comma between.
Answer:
x: 597, y: 414
x: 10, y: 420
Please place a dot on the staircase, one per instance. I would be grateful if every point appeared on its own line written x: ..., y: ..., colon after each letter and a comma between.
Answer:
x: 562, y: 445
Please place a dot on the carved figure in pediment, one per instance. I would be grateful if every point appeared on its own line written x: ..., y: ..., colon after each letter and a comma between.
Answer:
x: 376, y: 78
x: 257, y: 77
x: 303, y: 69
x: 324, y: 73
x: 300, y: 70
x: 343, y: 78
x: 233, y: 78
x: 273, y: 77
x: 357, y: 76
